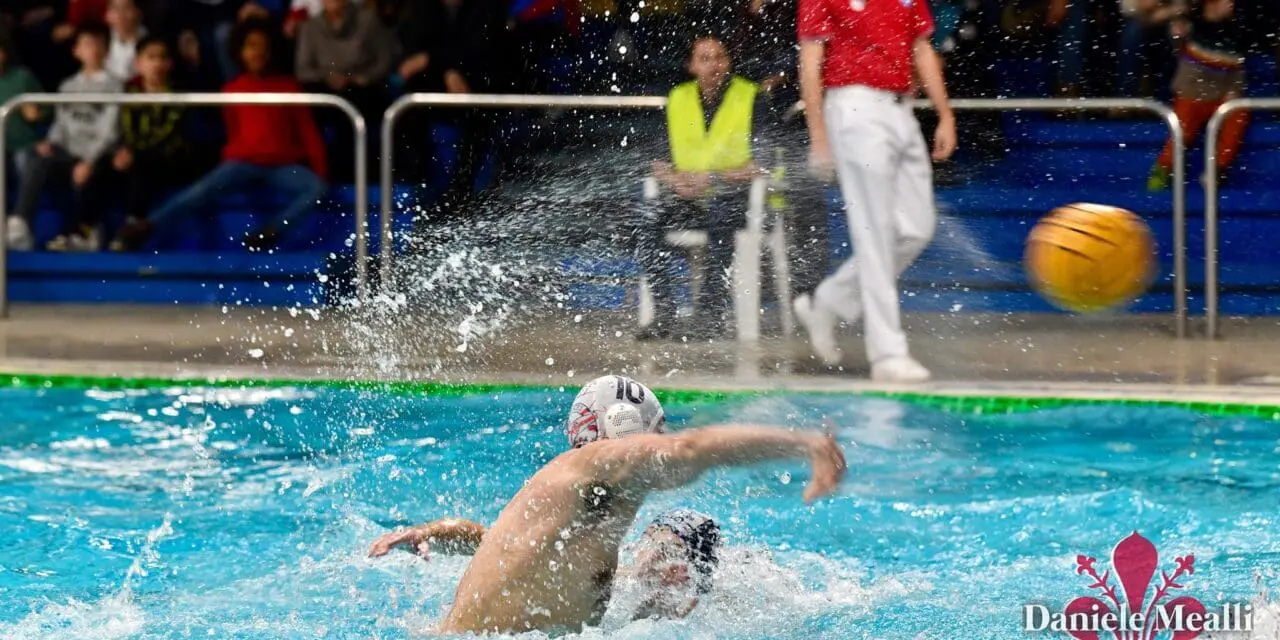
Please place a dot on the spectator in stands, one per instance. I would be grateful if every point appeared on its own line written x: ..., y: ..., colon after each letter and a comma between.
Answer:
x: 209, y: 24
x: 21, y: 132
x: 42, y: 29
x: 656, y: 42
x: 154, y: 151
x: 77, y: 143
x: 711, y: 125
x: 299, y: 12
x: 345, y: 51
x: 279, y: 147
x: 125, y: 21
x: 542, y: 33
x: 1210, y: 71
x: 1146, y: 44
x: 453, y: 46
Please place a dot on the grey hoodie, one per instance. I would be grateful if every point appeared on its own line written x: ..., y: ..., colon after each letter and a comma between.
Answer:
x: 86, y: 131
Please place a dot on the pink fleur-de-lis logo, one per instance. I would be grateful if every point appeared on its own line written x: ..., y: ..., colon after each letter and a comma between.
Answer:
x: 1135, y: 561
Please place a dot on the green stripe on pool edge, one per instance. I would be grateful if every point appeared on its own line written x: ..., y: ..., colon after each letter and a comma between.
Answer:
x: 967, y: 404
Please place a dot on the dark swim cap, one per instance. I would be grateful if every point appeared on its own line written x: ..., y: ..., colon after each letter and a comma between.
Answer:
x: 701, y: 537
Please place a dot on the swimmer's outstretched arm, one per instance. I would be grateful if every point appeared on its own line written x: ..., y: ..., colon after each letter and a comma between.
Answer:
x: 452, y: 535
x: 660, y: 462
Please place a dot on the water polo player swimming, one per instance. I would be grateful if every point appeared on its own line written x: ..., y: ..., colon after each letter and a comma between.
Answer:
x: 675, y: 558
x: 548, y: 562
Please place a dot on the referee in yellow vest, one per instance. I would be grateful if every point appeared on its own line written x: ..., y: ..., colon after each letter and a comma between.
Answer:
x: 712, y: 124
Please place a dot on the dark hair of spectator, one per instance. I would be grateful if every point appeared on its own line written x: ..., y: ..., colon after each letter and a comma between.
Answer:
x: 249, y: 27
x: 94, y: 29
x: 151, y: 40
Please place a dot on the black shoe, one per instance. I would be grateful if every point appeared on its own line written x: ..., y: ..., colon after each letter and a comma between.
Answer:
x: 131, y: 236
x: 263, y: 241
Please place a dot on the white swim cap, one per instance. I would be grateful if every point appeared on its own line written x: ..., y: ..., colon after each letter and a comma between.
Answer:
x: 613, y: 407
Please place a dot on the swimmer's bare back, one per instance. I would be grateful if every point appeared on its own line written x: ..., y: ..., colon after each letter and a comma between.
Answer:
x: 548, y: 561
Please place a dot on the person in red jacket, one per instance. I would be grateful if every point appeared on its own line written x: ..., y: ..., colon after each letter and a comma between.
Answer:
x: 279, y: 147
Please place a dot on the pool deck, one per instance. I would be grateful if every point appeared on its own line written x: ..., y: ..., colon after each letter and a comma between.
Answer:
x: 1126, y: 356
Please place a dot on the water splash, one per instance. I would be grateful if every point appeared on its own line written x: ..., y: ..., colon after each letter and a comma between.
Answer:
x: 117, y: 615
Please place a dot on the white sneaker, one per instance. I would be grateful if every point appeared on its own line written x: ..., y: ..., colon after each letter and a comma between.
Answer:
x: 88, y: 243
x: 899, y: 369
x: 820, y: 324
x: 75, y: 243
x: 18, y: 234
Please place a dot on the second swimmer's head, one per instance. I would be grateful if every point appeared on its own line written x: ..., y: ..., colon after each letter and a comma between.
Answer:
x: 613, y: 407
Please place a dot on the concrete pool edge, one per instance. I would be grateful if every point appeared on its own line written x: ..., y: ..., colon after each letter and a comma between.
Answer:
x: 968, y: 398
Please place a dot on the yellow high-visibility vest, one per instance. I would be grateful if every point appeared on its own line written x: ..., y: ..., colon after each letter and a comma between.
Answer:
x: 726, y: 145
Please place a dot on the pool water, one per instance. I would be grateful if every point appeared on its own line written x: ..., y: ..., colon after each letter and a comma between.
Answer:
x: 224, y: 513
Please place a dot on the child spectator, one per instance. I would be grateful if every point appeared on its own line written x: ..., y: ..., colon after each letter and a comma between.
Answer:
x: 154, y: 151
x: 275, y: 146
x: 21, y: 132
x: 125, y: 21
x: 1210, y: 72
x: 77, y: 143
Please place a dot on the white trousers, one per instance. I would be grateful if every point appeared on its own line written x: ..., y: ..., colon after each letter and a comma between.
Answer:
x: 886, y: 178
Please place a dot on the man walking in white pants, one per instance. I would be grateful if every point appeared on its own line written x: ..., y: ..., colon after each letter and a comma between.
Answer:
x: 863, y: 54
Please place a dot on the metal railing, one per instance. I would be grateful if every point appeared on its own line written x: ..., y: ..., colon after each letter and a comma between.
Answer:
x: 482, y: 100
x: 658, y: 102
x: 1212, y: 131
x: 208, y: 99
x: 1179, y: 161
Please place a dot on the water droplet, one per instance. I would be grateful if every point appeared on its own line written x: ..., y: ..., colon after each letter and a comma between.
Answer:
x: 635, y: 17
x: 256, y: 353
x: 551, y: 361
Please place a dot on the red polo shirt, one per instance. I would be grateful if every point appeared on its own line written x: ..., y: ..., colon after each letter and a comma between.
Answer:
x: 869, y: 42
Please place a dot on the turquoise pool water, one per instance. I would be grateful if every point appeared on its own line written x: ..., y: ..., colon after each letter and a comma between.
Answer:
x: 225, y: 513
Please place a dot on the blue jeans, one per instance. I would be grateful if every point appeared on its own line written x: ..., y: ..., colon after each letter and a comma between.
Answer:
x: 301, y: 185
x: 720, y: 215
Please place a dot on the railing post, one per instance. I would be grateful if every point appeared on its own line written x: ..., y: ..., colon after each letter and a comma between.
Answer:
x: 1179, y: 219
x: 4, y: 218
x: 211, y: 99
x: 386, y: 249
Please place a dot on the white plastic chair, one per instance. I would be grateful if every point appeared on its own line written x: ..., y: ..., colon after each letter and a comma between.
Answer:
x: 748, y: 243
